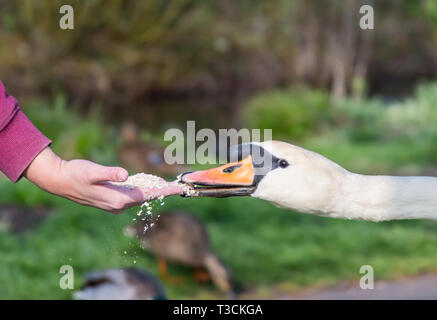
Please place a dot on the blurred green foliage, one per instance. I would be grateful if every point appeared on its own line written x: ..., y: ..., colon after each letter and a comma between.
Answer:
x: 291, y: 114
x: 298, y: 113
x: 382, y: 121
x: 289, y: 250
x: 124, y: 50
x: 73, y: 136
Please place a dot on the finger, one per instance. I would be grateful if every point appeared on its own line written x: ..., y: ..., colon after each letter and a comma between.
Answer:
x: 120, y: 198
x: 172, y: 188
x: 127, y: 194
x: 100, y: 173
x: 169, y: 190
x: 116, y: 199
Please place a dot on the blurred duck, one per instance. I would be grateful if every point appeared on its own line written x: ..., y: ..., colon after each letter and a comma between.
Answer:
x: 121, y: 284
x: 298, y: 179
x: 143, y: 156
x: 181, y: 237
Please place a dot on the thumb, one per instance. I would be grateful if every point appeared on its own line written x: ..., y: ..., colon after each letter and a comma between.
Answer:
x: 101, y: 173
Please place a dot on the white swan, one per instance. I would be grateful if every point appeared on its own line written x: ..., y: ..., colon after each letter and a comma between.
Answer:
x: 295, y: 178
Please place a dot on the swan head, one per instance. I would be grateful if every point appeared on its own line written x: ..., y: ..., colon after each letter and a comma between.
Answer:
x: 281, y: 173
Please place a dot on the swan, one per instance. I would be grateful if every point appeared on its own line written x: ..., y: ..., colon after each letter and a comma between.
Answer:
x: 298, y: 179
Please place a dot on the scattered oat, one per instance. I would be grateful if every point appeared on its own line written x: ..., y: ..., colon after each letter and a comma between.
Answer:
x: 188, y: 189
x: 143, y: 180
x: 148, y: 181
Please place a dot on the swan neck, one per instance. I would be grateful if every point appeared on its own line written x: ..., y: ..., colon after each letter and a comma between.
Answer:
x: 379, y: 198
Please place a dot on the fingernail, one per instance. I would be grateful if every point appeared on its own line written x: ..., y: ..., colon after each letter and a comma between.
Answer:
x: 122, y: 175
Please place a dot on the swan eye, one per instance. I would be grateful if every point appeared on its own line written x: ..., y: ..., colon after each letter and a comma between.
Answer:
x: 283, y: 163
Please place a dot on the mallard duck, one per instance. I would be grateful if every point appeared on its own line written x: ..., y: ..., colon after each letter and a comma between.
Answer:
x: 19, y: 219
x: 142, y: 156
x: 121, y: 284
x: 295, y: 178
x: 181, y: 237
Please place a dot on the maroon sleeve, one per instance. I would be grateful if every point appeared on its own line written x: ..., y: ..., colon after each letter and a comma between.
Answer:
x: 20, y: 140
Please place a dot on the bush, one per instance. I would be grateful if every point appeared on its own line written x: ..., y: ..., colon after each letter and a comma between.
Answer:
x: 376, y: 120
x: 420, y: 111
x: 292, y: 114
x: 361, y: 120
x: 297, y: 114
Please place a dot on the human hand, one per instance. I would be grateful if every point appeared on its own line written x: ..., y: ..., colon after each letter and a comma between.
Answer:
x: 89, y: 183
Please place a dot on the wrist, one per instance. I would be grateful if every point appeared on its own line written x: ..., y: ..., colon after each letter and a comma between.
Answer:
x: 46, y: 171
x: 62, y: 180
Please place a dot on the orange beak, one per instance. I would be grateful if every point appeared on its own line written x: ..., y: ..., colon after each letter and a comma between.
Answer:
x: 232, y: 174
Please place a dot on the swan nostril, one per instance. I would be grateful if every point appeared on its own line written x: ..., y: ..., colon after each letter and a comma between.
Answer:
x: 231, y: 168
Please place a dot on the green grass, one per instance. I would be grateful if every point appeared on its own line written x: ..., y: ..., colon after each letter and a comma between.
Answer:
x: 263, y: 245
